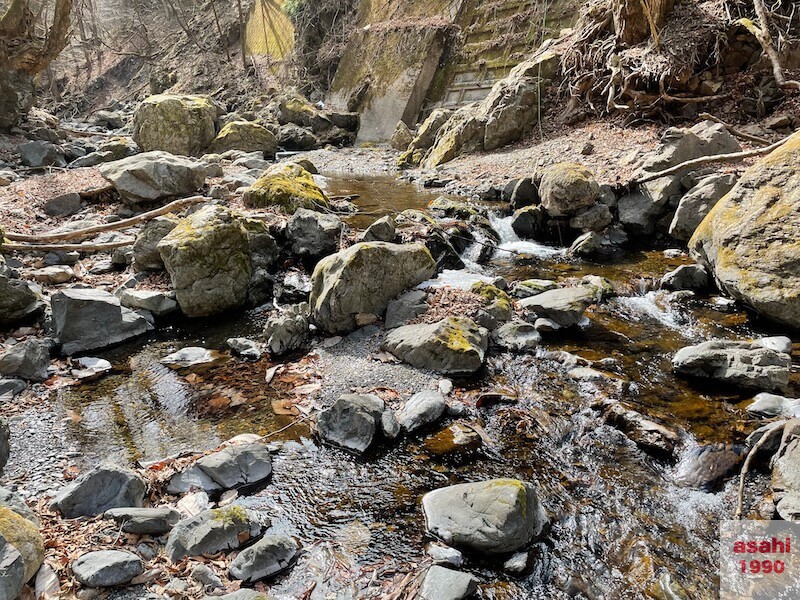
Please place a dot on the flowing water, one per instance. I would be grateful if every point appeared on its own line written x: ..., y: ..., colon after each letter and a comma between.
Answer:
x: 617, y: 518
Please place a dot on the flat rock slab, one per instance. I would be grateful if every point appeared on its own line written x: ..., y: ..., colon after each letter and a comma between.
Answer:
x: 101, y: 489
x: 267, y: 557
x: 493, y: 517
x: 107, y: 568
x: 214, y: 531
x: 151, y: 521
x: 441, y: 583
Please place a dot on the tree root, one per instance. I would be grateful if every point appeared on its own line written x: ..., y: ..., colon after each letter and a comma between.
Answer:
x: 762, y: 34
x: 749, y: 459
x: 736, y: 132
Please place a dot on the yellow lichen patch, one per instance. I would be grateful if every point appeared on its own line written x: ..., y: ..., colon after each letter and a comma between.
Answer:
x: 232, y: 515
x: 23, y: 535
x: 288, y: 186
x: 245, y: 136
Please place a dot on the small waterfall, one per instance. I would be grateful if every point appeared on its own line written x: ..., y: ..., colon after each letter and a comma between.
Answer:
x: 509, y: 240
x: 656, y: 306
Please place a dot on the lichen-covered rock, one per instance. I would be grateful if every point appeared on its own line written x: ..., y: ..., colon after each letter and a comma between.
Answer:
x: 245, y: 136
x: 425, y: 138
x: 214, y: 531
x: 154, y: 175
x: 363, y: 279
x: 750, y: 240
x: 453, y: 346
x: 401, y: 137
x: 25, y: 537
x: 463, y: 132
x: 493, y: 517
x: 208, y: 258
x: 288, y: 186
x: 177, y: 124
x: 567, y: 188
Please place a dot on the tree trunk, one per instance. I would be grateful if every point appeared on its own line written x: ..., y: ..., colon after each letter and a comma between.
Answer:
x: 637, y: 20
x: 24, y: 53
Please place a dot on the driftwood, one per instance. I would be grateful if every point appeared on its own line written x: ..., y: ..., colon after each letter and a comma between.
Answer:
x: 81, y: 233
x: 85, y: 248
x: 736, y: 132
x: 705, y: 160
x: 764, y: 37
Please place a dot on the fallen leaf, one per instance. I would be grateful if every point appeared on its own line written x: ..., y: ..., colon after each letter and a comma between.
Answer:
x: 307, y: 389
x: 271, y: 373
x: 284, y: 407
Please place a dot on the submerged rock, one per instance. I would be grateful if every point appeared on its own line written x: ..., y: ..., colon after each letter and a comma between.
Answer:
x: 650, y: 436
x: 107, y: 568
x: 245, y: 348
x: 103, y: 488
x: 453, y: 346
x: 208, y: 258
x: 214, y: 531
x: 154, y: 175
x: 745, y: 364
x: 363, y: 279
x: 743, y: 241
x: 267, y: 557
x: 708, y: 467
x: 193, y: 357
x: 494, y: 517
x: 77, y: 313
x: 352, y: 421
x: 441, y: 583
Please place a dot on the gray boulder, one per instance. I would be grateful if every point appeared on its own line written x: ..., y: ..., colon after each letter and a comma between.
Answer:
x: 238, y: 465
x: 528, y: 222
x: 20, y: 301
x: 267, y: 557
x: 208, y: 259
x: 314, y: 234
x: 64, y: 205
x: 406, y: 307
x: 158, y: 303
x: 10, y: 500
x: 441, y: 583
x: 245, y: 348
x: 686, y: 277
x: 698, y: 202
x: 771, y: 405
x: 154, y: 175
x: 103, y: 488
x: 287, y: 330
x: 453, y: 346
x: 41, y: 154
x: 87, y: 319
x: 423, y: 408
x: 595, y: 243
x: 382, y: 230
x: 517, y: 336
x: 146, y: 256
x: 107, y: 568
x: 493, y: 517
x: 192, y: 479
x: 596, y: 217
x: 565, y: 306
x: 214, y: 531
x: 744, y: 364
x: 27, y: 360
x: 150, y: 521
x: 363, y: 279
x: 351, y: 422
x: 12, y: 570
x: 567, y: 189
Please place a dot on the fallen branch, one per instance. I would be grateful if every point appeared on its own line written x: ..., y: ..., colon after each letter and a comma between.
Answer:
x: 746, y: 466
x: 85, y: 248
x: 762, y: 34
x: 735, y: 132
x: 705, y: 160
x: 80, y: 233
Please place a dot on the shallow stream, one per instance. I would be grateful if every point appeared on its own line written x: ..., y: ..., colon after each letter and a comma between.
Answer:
x: 618, y: 521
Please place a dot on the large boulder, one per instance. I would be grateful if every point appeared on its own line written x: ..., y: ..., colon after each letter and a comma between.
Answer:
x: 24, y: 536
x: 88, y: 319
x: 453, y: 346
x: 27, y: 360
x: 154, y: 175
x: 698, y: 202
x: 287, y: 186
x: 493, y: 517
x: 566, y: 189
x: 352, y: 421
x: 363, y: 279
x: 177, y: 124
x: 214, y: 531
x: 20, y: 301
x: 208, y: 258
x: 103, y: 488
x: 267, y: 557
x: 107, y: 568
x: 749, y: 241
x: 745, y: 364
x: 314, y: 234
x: 425, y: 137
x: 245, y: 136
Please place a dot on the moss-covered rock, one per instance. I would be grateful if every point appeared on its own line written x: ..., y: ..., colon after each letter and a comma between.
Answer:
x: 287, y: 186
x: 445, y: 207
x: 245, y: 136
x: 208, y: 258
x: 462, y: 133
x: 363, y: 279
x: 567, y: 188
x: 177, y: 124
x: 25, y: 537
x: 750, y: 240
x: 453, y: 346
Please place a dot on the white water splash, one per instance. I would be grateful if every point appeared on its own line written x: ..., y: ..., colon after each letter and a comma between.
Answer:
x: 462, y: 279
x: 509, y: 240
x: 655, y: 306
